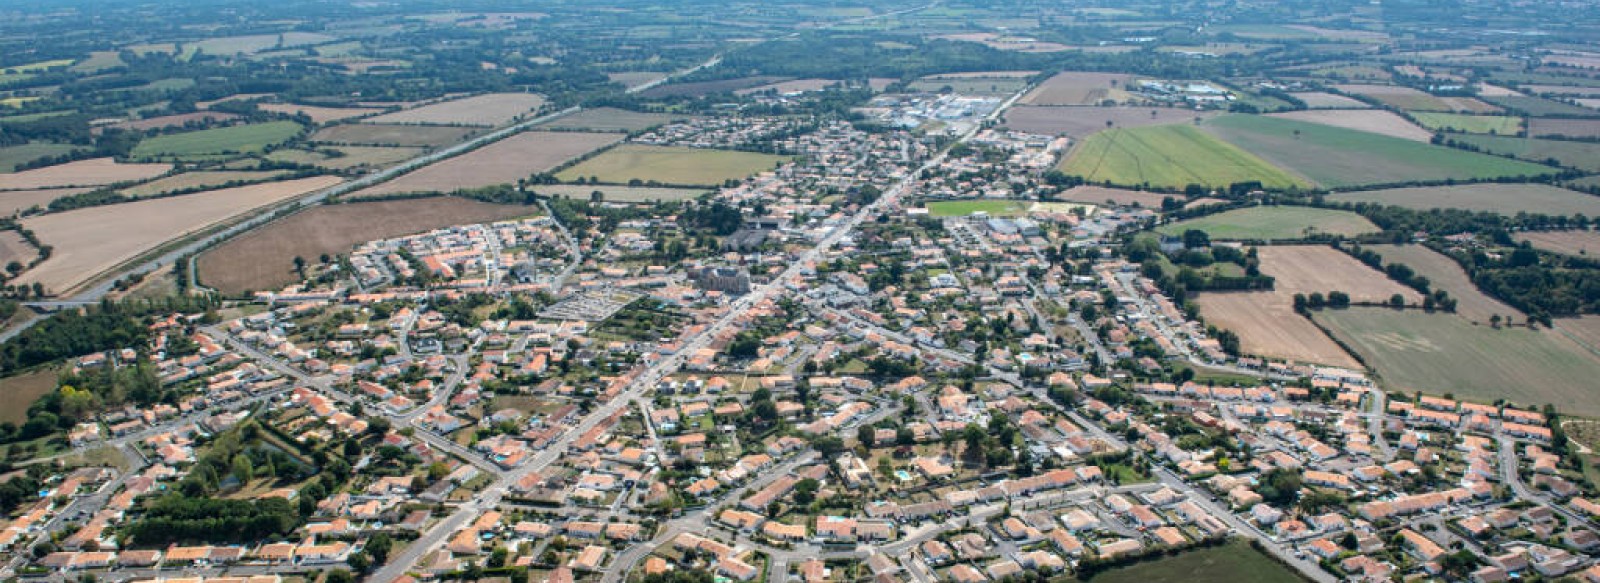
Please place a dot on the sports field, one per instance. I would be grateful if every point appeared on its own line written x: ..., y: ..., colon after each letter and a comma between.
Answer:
x: 1506, y: 199
x: 1473, y: 124
x: 1339, y: 157
x: 670, y: 165
x: 1439, y: 353
x: 1171, y: 156
x: 241, y: 139
x: 1269, y: 223
x: 961, y: 208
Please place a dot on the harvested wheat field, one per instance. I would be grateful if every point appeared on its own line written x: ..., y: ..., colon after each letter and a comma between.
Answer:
x: 263, y: 259
x: 96, y: 172
x: 1444, y: 273
x: 493, y: 109
x: 365, y: 134
x: 1367, y: 120
x: 317, y: 113
x: 14, y: 201
x: 1571, y: 128
x: 502, y: 162
x: 614, y: 193
x: 1079, y: 122
x: 15, y: 248
x: 1321, y: 100
x: 1080, y: 88
x: 1267, y: 326
x: 90, y: 241
x: 172, y: 121
x: 1117, y: 196
x: 1318, y: 268
x: 189, y: 181
x: 1577, y: 243
x: 1585, y: 330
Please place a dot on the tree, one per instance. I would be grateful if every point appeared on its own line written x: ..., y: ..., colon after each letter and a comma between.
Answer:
x: 864, y: 435
x: 379, y: 546
x: 340, y: 576
x: 1397, y: 301
x: 1196, y: 239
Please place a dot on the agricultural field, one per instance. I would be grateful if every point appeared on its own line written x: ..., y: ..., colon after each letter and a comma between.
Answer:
x: 502, y: 162
x: 610, y: 119
x: 173, y: 121
x: 1504, y: 125
x: 493, y: 109
x: 612, y: 193
x: 1580, y: 155
x: 1117, y: 196
x: 1444, y: 273
x: 1170, y: 156
x: 14, y: 201
x: 1437, y: 353
x: 700, y: 88
x: 970, y: 85
x: 797, y: 85
x: 1570, y: 128
x: 349, y: 156
x: 318, y: 114
x: 240, y: 139
x: 962, y: 208
x: 95, y: 172
x: 1319, y: 268
x: 1235, y: 562
x: 198, y: 180
x: 1338, y: 157
x: 99, y: 61
x: 90, y: 241
x: 231, y: 45
x: 1577, y: 243
x: 1080, y: 88
x: 1267, y: 326
x: 1322, y: 100
x: 263, y: 259
x: 1506, y: 199
x: 670, y: 165
x: 1539, y: 106
x: 15, y: 248
x: 1584, y: 330
x: 1415, y: 100
x: 1377, y: 121
x: 13, y: 156
x: 1079, y: 122
x: 365, y: 134
x: 18, y: 392
x: 1274, y: 222
x: 636, y: 78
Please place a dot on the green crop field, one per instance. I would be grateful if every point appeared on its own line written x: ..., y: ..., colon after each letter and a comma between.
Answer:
x: 1171, y: 156
x: 1580, y: 155
x: 1337, y: 157
x: 11, y: 156
x: 961, y: 208
x: 1235, y: 562
x: 1472, y: 124
x: 1444, y: 353
x: 1539, y: 106
x: 1274, y: 222
x: 670, y: 165
x: 241, y: 139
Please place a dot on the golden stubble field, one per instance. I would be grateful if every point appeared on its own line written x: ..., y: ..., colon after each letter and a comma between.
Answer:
x: 95, y: 172
x: 1265, y: 321
x: 89, y: 241
x: 502, y: 162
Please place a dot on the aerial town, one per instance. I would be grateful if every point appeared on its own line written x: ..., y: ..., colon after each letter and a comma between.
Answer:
x: 685, y: 292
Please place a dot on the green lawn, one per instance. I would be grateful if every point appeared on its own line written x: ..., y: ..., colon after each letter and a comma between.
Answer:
x: 961, y: 208
x: 1443, y: 353
x: 1274, y: 222
x: 1235, y: 562
x: 1338, y: 157
x: 1472, y: 124
x: 241, y: 139
x: 670, y: 165
x: 1170, y: 156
